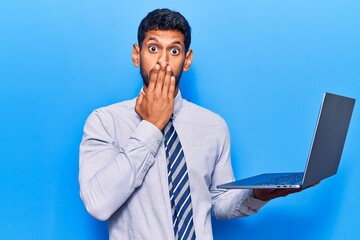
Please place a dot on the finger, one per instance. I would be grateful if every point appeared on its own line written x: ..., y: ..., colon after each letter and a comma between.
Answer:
x: 167, y: 80
x: 285, y: 192
x: 313, y: 185
x: 139, y: 100
x: 172, y: 88
x: 160, y: 80
x: 153, y: 78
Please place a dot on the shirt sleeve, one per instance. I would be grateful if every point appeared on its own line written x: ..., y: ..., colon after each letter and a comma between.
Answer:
x: 109, y: 174
x: 229, y: 204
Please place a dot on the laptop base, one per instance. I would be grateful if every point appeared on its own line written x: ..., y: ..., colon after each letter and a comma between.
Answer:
x: 267, y: 181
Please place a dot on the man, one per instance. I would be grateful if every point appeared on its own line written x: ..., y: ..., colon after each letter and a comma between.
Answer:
x: 126, y: 171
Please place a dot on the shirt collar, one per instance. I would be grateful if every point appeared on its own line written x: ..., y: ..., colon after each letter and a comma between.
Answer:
x: 177, y: 104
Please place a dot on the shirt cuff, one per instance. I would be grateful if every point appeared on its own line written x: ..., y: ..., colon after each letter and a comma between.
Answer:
x: 150, y: 135
x: 250, y: 205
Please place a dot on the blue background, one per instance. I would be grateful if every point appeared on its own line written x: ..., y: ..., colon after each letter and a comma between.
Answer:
x: 263, y: 65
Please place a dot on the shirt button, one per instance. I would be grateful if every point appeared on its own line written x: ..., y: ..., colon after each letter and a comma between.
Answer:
x: 146, y: 169
x: 249, y: 200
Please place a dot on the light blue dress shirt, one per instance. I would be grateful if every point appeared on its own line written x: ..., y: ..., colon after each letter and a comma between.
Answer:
x: 123, y: 173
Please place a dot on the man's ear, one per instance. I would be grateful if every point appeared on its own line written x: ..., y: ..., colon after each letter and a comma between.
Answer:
x: 135, y: 56
x: 188, y: 60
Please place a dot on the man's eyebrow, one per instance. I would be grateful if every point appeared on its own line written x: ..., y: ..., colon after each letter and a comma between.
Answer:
x: 177, y: 42
x: 152, y: 39
x: 156, y: 40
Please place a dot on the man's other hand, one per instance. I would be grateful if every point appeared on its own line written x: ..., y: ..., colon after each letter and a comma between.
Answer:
x: 268, y: 194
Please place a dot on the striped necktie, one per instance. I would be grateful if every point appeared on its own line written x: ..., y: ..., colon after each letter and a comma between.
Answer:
x: 179, y: 188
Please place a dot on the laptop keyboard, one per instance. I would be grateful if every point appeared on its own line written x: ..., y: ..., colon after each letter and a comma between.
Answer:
x: 286, y: 179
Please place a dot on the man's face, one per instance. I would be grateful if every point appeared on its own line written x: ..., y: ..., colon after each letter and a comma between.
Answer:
x: 163, y: 48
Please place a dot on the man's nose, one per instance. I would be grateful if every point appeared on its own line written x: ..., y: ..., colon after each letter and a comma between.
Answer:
x: 163, y: 58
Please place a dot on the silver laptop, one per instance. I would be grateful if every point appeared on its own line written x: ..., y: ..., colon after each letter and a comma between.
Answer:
x: 325, y: 153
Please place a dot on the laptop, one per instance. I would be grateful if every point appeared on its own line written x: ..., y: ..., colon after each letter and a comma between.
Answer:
x: 325, y: 153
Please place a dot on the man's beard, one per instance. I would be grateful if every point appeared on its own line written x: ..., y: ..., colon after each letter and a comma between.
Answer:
x: 146, y: 77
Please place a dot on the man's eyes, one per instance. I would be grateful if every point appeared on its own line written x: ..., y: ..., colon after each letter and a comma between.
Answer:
x: 153, y: 49
x: 173, y: 51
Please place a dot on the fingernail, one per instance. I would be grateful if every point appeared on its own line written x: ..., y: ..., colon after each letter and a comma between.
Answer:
x: 168, y: 68
x: 157, y: 66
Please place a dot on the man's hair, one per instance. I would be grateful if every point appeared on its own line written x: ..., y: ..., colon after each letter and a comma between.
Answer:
x: 165, y: 19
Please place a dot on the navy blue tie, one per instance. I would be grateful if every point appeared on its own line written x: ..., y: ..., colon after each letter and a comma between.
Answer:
x: 179, y: 188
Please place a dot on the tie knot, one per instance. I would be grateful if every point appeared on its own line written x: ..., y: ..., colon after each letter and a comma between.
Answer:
x: 168, y: 125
